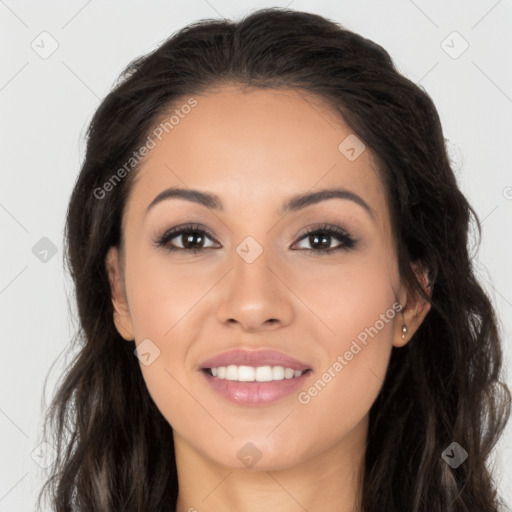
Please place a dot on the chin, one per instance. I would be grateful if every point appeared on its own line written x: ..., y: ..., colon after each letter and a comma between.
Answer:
x: 258, y: 455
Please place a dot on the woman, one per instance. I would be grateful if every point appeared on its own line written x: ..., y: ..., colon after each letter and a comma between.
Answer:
x: 278, y: 307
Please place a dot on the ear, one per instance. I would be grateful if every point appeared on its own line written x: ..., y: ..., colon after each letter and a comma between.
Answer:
x: 414, y: 308
x: 122, y: 318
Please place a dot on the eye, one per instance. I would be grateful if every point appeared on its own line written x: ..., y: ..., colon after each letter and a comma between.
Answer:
x: 320, y: 237
x: 191, y: 236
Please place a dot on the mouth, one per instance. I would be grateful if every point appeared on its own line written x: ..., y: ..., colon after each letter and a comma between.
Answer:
x: 254, y: 378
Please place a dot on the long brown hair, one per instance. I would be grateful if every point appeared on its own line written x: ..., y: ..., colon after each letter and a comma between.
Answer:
x: 115, y: 449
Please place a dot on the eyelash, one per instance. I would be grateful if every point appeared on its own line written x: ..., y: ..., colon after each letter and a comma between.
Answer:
x: 347, y: 242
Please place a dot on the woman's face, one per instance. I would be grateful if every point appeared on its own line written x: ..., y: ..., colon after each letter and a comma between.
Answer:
x: 258, y: 281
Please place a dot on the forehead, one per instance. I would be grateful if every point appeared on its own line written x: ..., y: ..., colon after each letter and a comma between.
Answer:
x: 254, y: 148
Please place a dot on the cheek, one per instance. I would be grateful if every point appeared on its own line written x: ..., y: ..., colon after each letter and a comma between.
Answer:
x: 165, y: 300
x: 348, y: 298
x: 162, y: 295
x: 358, y: 309
x: 339, y: 396
x: 349, y: 383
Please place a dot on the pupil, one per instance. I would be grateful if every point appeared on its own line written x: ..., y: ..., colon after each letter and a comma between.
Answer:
x: 189, y: 238
x: 325, y: 240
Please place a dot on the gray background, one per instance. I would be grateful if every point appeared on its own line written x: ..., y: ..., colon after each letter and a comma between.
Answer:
x: 46, y: 104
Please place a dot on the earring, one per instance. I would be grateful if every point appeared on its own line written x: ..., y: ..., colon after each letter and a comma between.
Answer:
x: 404, y: 330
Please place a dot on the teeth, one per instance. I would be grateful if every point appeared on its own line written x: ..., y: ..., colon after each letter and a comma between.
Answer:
x: 255, y: 374
x: 278, y: 373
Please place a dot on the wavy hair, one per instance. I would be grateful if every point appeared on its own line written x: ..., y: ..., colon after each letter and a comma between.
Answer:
x: 115, y: 449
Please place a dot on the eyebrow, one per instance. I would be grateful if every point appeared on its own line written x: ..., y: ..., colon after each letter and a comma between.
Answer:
x: 293, y: 204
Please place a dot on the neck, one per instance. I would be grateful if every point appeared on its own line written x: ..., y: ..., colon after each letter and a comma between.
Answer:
x: 326, y: 481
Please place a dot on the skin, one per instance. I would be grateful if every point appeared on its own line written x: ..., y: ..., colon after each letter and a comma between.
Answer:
x: 255, y: 149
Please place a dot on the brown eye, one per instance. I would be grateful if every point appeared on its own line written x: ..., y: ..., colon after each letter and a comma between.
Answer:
x: 320, y: 239
x: 191, y: 238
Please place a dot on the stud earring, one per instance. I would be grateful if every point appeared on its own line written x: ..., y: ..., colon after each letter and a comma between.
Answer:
x: 404, y: 330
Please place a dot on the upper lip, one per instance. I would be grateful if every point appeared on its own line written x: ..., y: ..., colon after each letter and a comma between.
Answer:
x: 243, y: 357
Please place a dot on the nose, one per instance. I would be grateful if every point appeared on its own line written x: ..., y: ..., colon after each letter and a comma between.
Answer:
x: 255, y: 296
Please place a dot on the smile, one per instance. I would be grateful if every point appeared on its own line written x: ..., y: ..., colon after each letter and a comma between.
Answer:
x: 254, y: 374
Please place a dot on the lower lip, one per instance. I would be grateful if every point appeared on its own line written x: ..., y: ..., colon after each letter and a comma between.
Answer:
x: 255, y: 393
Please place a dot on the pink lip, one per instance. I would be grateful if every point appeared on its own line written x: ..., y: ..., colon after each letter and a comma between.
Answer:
x: 253, y: 358
x: 254, y: 393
